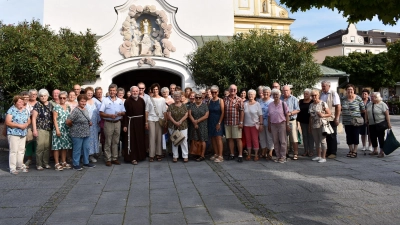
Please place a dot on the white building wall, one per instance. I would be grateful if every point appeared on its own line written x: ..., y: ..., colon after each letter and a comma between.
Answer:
x: 195, y: 17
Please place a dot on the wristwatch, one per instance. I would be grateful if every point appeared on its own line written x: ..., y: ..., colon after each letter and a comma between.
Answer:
x: 241, y: 123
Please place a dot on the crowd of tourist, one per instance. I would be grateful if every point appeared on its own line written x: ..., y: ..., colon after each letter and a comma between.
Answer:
x: 262, y: 123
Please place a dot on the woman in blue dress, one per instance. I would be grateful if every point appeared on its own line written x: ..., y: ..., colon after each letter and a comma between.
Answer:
x: 94, y: 116
x: 215, y: 123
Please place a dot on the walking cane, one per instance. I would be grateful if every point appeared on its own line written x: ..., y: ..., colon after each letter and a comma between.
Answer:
x: 365, y: 152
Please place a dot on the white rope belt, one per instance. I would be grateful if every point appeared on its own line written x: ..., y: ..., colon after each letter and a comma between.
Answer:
x: 129, y: 132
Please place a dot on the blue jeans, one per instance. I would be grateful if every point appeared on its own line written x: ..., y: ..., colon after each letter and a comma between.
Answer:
x: 80, y: 147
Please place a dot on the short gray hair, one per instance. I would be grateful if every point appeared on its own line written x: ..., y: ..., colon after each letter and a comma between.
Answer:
x: 32, y: 90
x: 251, y: 91
x: 307, y: 90
x: 112, y: 86
x: 214, y: 87
x: 43, y: 92
x: 326, y: 82
x: 176, y: 93
x: 276, y: 91
x: 377, y: 95
x: 63, y: 93
x: 164, y: 89
x: 121, y: 89
x: 133, y: 87
x: 260, y: 87
x: 266, y: 88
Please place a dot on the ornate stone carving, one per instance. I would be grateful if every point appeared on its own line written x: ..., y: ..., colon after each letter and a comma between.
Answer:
x: 146, y: 60
x: 147, y: 36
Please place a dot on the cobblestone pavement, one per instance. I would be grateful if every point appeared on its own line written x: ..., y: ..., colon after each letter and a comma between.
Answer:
x: 364, y: 190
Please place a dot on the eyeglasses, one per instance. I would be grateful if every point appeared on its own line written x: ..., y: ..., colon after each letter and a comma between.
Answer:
x: 41, y: 96
x: 313, y: 95
x: 198, y: 97
x: 63, y: 98
x: 141, y: 88
x: 214, y: 92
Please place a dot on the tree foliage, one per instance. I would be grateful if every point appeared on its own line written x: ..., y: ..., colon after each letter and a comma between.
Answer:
x: 33, y: 56
x: 253, y: 59
x: 365, y: 69
x: 394, y: 56
x: 387, y: 11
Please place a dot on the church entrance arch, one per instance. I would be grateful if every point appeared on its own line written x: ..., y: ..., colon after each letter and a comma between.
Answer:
x: 148, y: 76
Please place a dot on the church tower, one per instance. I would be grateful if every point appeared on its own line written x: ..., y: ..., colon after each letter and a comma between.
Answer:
x: 261, y: 14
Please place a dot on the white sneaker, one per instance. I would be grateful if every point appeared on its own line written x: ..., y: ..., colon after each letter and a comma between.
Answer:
x: 316, y: 158
x: 370, y: 148
x: 92, y: 159
x: 363, y: 148
x: 322, y: 160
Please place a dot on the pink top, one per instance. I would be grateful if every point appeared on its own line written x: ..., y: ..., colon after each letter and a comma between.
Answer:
x: 275, y: 112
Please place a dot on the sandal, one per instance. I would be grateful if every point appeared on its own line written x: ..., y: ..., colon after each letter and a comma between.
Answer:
x: 58, y: 167
x: 158, y: 158
x: 185, y: 160
x: 212, y: 158
x: 295, y: 157
x: 219, y: 159
x: 151, y: 159
x: 353, y: 155
x: 311, y: 154
x: 134, y: 162
x: 268, y: 157
x: 248, y: 157
x: 65, y: 165
x: 256, y: 158
x: 381, y: 155
x: 373, y: 153
x: 349, y: 154
x: 305, y: 154
x: 201, y: 158
x: 174, y: 160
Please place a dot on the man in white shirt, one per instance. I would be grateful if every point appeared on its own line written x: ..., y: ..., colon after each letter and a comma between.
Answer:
x: 143, y: 95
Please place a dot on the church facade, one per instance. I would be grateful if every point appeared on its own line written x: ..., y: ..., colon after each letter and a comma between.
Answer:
x: 148, y: 40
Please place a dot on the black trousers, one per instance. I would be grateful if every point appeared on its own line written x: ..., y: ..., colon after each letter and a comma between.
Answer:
x: 352, y: 134
x: 331, y: 140
x: 375, y: 134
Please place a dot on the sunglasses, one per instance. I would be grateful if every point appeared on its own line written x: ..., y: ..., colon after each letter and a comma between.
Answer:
x: 313, y: 95
x: 63, y: 98
x: 141, y: 88
x: 214, y: 92
x: 198, y: 97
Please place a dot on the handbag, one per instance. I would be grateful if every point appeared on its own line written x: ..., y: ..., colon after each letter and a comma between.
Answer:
x: 29, y: 135
x: 326, y: 128
x: 195, y: 146
x: 382, y: 125
x: 177, y: 137
x: 161, y: 121
x: 357, y: 121
x: 391, y: 143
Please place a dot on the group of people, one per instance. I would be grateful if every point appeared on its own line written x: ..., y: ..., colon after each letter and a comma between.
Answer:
x: 264, y: 120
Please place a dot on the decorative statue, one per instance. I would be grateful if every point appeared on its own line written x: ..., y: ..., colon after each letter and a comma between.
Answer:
x: 125, y: 49
x: 146, y: 26
x: 134, y: 48
x: 146, y: 45
x: 157, y: 49
x: 264, y: 6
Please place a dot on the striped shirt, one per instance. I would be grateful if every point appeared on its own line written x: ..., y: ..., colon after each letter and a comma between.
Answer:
x: 233, y: 107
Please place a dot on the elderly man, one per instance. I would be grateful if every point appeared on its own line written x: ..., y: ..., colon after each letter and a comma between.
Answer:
x: 98, y: 95
x: 172, y: 88
x: 293, y: 105
x: 234, y: 116
x: 134, y: 127
x: 276, y: 86
x: 333, y: 101
x: 77, y: 89
x: 111, y: 110
x: 55, y: 99
x: 143, y: 95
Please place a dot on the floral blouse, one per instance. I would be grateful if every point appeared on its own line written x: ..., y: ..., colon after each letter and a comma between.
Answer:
x: 19, y: 117
x: 178, y: 113
x: 314, y: 108
x: 44, y: 119
x: 80, y: 123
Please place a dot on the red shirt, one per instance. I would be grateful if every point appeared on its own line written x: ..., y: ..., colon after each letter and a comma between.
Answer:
x: 233, y: 107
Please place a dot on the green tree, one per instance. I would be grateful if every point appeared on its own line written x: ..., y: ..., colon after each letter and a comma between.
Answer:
x: 33, y: 56
x: 387, y: 11
x: 393, y: 59
x: 365, y: 69
x: 253, y: 59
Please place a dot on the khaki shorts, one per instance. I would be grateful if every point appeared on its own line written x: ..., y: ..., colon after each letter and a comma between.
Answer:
x: 293, y: 131
x: 233, y: 131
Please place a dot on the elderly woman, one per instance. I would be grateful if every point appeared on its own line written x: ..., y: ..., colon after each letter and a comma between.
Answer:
x: 79, y: 130
x: 253, y: 123
x: 352, y: 107
x: 94, y: 116
x: 31, y: 145
x: 155, y: 110
x: 216, y: 109
x: 364, y: 129
x: 318, y: 111
x: 278, y: 125
x: 17, y: 121
x: 168, y: 101
x: 165, y: 94
x: 303, y: 117
x: 61, y: 140
x: 72, y: 103
x: 121, y: 94
x: 260, y: 92
x: 42, y: 126
x: 198, y: 114
x: 265, y: 136
x: 377, y: 112
x: 177, y: 115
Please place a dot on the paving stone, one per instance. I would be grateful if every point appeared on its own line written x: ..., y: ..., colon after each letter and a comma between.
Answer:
x: 109, y: 219
x: 137, y: 215
x: 190, y: 200
x: 165, y: 204
x: 111, y: 202
x: 196, y: 215
x: 78, y: 213
x: 14, y: 221
x: 168, y: 219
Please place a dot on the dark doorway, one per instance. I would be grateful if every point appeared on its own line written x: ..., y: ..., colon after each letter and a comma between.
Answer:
x: 148, y: 76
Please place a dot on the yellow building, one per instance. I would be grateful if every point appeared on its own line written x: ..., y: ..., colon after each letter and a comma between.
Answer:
x: 261, y: 14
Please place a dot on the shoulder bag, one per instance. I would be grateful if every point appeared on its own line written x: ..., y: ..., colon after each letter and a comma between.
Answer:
x: 357, y: 120
x: 161, y: 121
x: 195, y: 146
x: 326, y: 126
x: 382, y: 125
x: 177, y: 137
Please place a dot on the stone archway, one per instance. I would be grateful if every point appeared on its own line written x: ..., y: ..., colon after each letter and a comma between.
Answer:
x: 148, y: 76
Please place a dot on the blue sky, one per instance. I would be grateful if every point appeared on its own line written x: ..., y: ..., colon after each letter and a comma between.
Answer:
x: 313, y: 24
